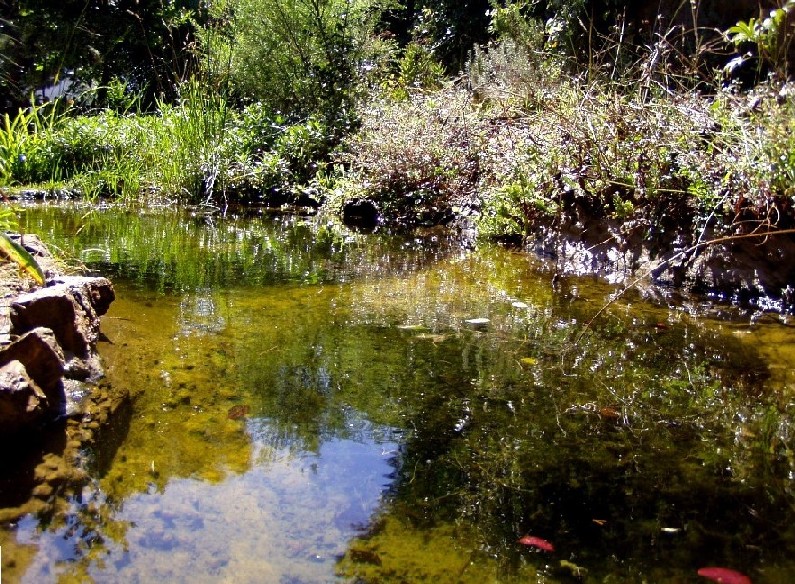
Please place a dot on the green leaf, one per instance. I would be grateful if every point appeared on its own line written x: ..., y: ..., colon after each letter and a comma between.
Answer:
x: 17, y: 253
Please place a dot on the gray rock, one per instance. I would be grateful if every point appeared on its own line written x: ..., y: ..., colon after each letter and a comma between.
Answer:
x: 39, y: 354
x: 53, y: 332
x: 70, y: 307
x: 22, y: 403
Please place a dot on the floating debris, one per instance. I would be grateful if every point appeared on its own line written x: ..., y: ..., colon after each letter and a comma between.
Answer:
x: 724, y: 575
x: 574, y: 569
x: 436, y: 338
x: 537, y: 542
x: 237, y: 412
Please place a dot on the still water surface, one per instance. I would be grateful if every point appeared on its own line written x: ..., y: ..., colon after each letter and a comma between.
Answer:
x: 311, y: 405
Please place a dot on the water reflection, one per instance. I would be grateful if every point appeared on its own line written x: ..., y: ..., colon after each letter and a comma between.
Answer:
x: 285, y: 519
x: 309, y: 403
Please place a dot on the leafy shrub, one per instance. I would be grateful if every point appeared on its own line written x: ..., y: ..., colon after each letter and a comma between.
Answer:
x: 300, y: 58
x: 418, y: 158
x: 770, y: 38
x: 288, y: 156
x: 417, y: 69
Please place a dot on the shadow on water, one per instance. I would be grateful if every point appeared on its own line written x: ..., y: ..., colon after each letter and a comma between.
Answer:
x: 311, y: 404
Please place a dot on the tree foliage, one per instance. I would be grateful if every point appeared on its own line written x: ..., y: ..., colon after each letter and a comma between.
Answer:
x: 298, y: 57
x: 149, y: 44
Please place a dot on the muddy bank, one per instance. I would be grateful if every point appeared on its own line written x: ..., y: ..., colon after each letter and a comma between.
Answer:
x: 662, y: 252
x: 53, y: 402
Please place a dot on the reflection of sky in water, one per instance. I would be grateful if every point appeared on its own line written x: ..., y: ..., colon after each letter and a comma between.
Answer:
x: 199, y: 314
x: 285, y: 520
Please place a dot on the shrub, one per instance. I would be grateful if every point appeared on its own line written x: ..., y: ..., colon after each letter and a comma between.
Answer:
x: 417, y: 159
x: 299, y: 58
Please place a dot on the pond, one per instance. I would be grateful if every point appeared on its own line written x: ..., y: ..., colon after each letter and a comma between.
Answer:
x: 312, y: 404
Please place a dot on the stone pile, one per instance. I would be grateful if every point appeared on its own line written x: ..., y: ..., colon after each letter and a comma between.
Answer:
x: 49, y: 361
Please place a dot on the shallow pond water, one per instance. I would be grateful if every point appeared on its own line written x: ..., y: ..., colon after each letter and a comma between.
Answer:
x: 315, y: 405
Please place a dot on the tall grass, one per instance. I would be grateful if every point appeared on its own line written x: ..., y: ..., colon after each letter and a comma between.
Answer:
x: 22, y: 139
x: 180, y: 152
x: 187, y: 152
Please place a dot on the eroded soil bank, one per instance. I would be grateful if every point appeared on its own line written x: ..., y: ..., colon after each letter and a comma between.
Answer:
x: 665, y: 254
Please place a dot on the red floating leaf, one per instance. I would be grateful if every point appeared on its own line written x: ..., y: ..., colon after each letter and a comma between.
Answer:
x: 536, y: 542
x: 724, y: 575
x: 237, y: 412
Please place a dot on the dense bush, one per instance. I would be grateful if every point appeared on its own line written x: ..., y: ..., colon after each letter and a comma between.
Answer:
x: 297, y: 58
x: 418, y: 158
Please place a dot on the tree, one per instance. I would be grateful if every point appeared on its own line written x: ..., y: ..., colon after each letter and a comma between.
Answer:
x: 452, y: 27
x: 298, y: 57
x: 148, y: 44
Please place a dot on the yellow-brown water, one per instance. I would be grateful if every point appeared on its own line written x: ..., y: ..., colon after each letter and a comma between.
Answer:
x: 311, y: 405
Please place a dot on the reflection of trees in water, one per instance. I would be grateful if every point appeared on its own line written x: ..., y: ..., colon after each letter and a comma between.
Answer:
x: 631, y: 462
x: 172, y: 251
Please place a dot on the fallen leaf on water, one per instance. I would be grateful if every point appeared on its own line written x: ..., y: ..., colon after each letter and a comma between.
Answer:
x: 599, y: 522
x: 237, y: 412
x: 723, y: 575
x: 536, y: 542
x: 529, y: 361
x: 609, y: 413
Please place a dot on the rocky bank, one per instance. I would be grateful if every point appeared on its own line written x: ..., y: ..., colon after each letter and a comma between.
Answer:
x: 53, y: 402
